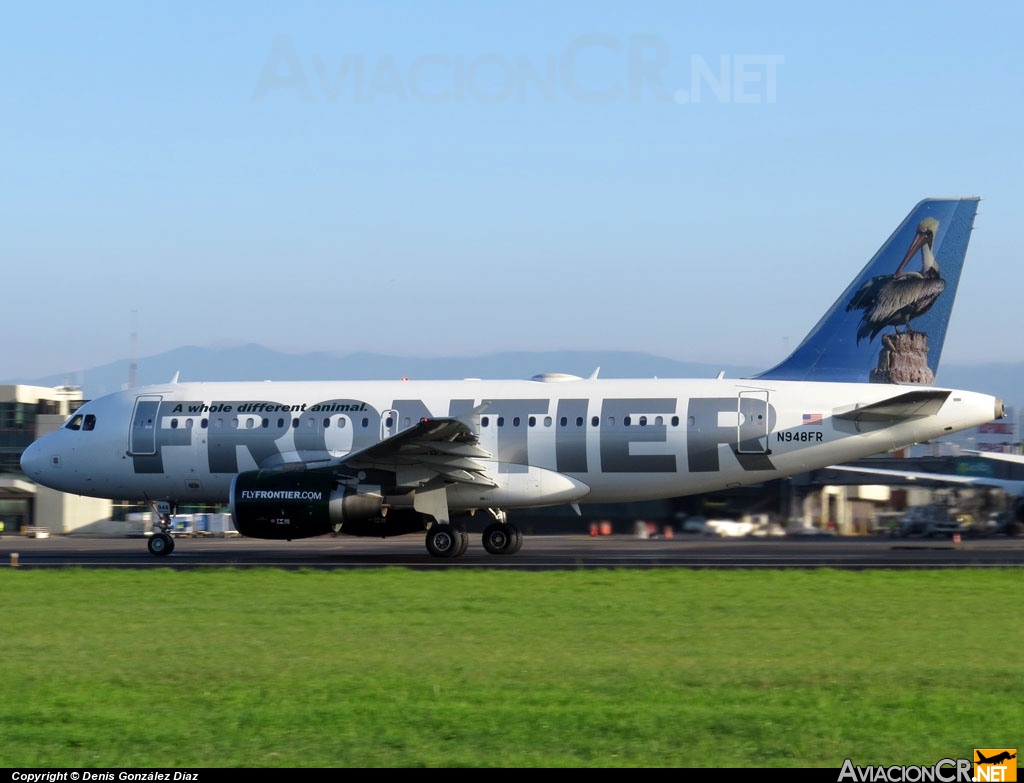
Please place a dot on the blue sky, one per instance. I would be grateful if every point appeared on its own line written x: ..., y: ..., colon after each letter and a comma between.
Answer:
x: 694, y: 180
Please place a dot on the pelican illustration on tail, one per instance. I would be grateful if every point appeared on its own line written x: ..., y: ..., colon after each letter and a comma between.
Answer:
x: 896, y: 299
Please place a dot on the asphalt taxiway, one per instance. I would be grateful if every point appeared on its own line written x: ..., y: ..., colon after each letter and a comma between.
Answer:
x: 539, y: 552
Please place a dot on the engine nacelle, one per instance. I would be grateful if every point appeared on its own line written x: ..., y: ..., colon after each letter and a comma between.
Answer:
x: 300, y: 504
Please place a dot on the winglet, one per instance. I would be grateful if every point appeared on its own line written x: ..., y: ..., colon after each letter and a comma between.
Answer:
x: 889, y: 325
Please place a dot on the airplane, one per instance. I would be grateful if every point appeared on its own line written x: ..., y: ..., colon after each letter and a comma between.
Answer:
x: 996, y: 759
x: 384, y: 458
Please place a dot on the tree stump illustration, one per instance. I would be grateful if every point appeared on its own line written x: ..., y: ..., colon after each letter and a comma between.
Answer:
x: 903, y: 359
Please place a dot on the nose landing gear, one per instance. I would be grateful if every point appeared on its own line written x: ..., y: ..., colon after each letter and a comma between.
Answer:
x: 161, y: 542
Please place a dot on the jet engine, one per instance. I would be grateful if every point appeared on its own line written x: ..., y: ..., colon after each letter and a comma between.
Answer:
x: 298, y: 504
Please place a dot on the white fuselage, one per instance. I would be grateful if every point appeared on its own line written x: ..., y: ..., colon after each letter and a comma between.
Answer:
x: 562, y: 440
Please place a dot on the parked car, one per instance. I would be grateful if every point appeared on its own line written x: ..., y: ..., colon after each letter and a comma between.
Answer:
x: 723, y: 528
x: 932, y: 520
x: 802, y: 531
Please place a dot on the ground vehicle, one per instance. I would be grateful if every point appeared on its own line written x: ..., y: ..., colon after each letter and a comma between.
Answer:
x: 931, y: 520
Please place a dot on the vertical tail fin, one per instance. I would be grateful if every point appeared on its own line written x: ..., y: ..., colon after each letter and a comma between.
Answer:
x: 890, y: 323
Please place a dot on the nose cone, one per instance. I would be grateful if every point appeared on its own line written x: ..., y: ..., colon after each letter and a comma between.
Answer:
x: 34, y: 462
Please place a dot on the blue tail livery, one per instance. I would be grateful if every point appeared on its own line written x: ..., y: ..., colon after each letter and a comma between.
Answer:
x: 890, y: 324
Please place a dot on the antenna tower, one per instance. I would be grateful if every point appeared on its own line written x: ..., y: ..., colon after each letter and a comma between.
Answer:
x: 132, y: 366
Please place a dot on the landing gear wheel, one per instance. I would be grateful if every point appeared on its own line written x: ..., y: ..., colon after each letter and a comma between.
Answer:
x: 496, y: 538
x: 443, y: 540
x: 517, y: 540
x: 502, y: 539
x: 160, y: 544
x: 463, y: 538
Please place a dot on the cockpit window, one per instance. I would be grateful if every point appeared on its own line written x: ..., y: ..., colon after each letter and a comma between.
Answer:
x: 85, y: 422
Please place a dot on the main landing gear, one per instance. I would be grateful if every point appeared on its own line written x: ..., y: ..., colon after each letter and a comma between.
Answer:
x: 450, y: 539
x: 502, y: 538
x: 447, y: 540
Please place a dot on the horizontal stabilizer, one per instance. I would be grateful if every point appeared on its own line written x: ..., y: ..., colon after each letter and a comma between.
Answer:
x: 912, y: 404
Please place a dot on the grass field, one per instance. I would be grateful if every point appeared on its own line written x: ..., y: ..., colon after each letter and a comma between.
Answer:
x: 397, y: 668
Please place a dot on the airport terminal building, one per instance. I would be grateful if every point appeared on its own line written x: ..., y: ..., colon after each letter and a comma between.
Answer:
x: 26, y: 413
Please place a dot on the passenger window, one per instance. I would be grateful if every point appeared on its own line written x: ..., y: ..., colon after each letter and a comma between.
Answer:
x: 579, y: 421
x: 189, y: 423
x: 628, y: 420
x: 533, y: 421
x: 204, y: 423
x: 174, y: 424
x: 249, y: 422
x: 483, y: 421
x: 501, y: 421
x: 515, y: 421
x: 295, y: 423
x: 327, y: 422
x: 366, y: 422
x: 547, y: 421
x: 563, y: 421
x: 594, y: 421
x: 643, y: 421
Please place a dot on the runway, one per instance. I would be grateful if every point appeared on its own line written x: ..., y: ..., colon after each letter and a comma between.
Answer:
x: 539, y: 552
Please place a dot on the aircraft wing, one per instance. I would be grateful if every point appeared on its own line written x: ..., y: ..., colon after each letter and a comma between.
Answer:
x: 442, y: 449
x: 1009, y: 485
x: 1016, y: 459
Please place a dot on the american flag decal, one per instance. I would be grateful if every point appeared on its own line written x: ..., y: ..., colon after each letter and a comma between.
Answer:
x: 812, y: 419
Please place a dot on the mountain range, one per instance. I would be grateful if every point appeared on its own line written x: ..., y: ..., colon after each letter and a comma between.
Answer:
x: 254, y: 362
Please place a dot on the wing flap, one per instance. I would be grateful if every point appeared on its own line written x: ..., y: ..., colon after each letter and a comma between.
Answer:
x: 445, y: 449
